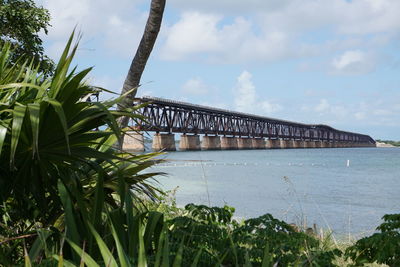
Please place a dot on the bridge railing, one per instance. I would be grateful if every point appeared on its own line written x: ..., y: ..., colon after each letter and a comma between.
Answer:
x: 163, y: 115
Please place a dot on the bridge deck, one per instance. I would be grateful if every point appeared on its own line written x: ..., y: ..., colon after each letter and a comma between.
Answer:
x: 164, y: 115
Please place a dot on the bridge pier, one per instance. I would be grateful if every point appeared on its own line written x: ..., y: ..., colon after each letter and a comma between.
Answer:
x: 164, y: 142
x: 229, y: 143
x: 318, y: 144
x: 189, y: 142
x: 133, y: 141
x: 310, y: 144
x: 302, y: 144
x: 272, y: 143
x: 329, y: 144
x: 211, y: 143
x: 296, y: 144
x: 286, y: 144
x: 258, y: 143
x: 244, y: 143
x: 324, y: 144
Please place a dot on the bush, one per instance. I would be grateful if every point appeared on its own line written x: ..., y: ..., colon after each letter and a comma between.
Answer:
x: 382, y: 247
x: 212, y: 235
x: 59, y: 172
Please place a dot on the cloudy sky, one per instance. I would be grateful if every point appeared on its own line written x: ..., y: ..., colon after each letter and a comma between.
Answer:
x: 334, y: 62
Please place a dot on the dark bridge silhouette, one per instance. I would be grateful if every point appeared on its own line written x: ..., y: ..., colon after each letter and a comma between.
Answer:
x: 224, y: 129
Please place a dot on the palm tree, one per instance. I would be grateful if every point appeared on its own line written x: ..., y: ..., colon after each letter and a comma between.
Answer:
x: 143, y: 52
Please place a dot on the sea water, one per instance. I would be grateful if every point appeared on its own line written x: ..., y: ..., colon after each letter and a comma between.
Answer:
x: 345, y: 190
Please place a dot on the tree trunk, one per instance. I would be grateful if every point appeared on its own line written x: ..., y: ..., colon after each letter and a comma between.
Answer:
x: 138, y: 64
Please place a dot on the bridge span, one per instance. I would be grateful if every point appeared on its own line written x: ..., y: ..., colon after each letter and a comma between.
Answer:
x: 224, y: 129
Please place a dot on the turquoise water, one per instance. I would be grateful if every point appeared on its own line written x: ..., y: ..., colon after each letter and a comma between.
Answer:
x: 303, y: 186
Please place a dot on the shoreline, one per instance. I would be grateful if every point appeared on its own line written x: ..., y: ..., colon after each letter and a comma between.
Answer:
x: 384, y: 145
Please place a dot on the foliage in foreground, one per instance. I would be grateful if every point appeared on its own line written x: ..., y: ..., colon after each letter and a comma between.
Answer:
x: 59, y: 173
x: 262, y: 241
x: 382, y: 247
x: 201, y: 236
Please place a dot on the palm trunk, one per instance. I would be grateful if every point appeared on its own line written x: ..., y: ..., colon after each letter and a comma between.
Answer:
x: 138, y: 64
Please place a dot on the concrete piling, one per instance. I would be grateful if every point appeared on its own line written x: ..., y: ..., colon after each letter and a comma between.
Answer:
x: 133, y: 141
x: 229, y: 143
x: 164, y: 142
x: 318, y: 144
x: 244, y: 143
x: 189, y: 142
x: 286, y: 143
x: 211, y: 143
x: 272, y: 143
x: 258, y: 143
x: 310, y: 144
x: 297, y: 144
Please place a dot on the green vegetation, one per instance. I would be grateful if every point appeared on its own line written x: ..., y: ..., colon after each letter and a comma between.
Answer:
x: 68, y: 197
x: 390, y: 142
x: 56, y: 170
x: 20, y: 24
x: 382, y: 247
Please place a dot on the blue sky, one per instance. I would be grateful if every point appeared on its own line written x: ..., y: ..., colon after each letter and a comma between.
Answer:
x: 334, y: 62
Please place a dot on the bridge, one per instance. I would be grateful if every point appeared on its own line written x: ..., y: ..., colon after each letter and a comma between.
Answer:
x: 224, y: 129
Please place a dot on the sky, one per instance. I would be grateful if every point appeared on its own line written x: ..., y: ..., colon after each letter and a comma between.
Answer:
x: 334, y: 62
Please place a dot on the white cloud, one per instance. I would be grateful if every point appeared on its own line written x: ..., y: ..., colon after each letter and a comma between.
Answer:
x: 339, y: 111
x: 322, y: 106
x: 383, y: 112
x: 195, y: 86
x: 349, y: 17
x: 275, y: 30
x: 246, y: 31
x: 348, y: 58
x: 270, y: 108
x: 204, y: 35
x: 194, y: 33
x: 229, y: 6
x: 117, y: 27
x: 360, y: 115
x: 245, y: 93
x: 375, y: 112
x: 353, y: 62
x: 246, y: 99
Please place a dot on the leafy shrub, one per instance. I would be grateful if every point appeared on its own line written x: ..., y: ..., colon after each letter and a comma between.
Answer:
x: 257, y: 241
x: 382, y: 247
x: 59, y: 172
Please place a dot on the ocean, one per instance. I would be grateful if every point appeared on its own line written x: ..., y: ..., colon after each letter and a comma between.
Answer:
x: 345, y: 190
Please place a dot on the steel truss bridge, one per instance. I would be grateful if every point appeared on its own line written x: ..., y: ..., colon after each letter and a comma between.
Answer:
x: 169, y: 116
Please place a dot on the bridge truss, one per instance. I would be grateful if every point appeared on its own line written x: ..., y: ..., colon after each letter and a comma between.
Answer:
x: 163, y: 115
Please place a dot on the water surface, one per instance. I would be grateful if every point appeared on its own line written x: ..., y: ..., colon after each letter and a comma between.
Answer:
x: 304, y: 186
